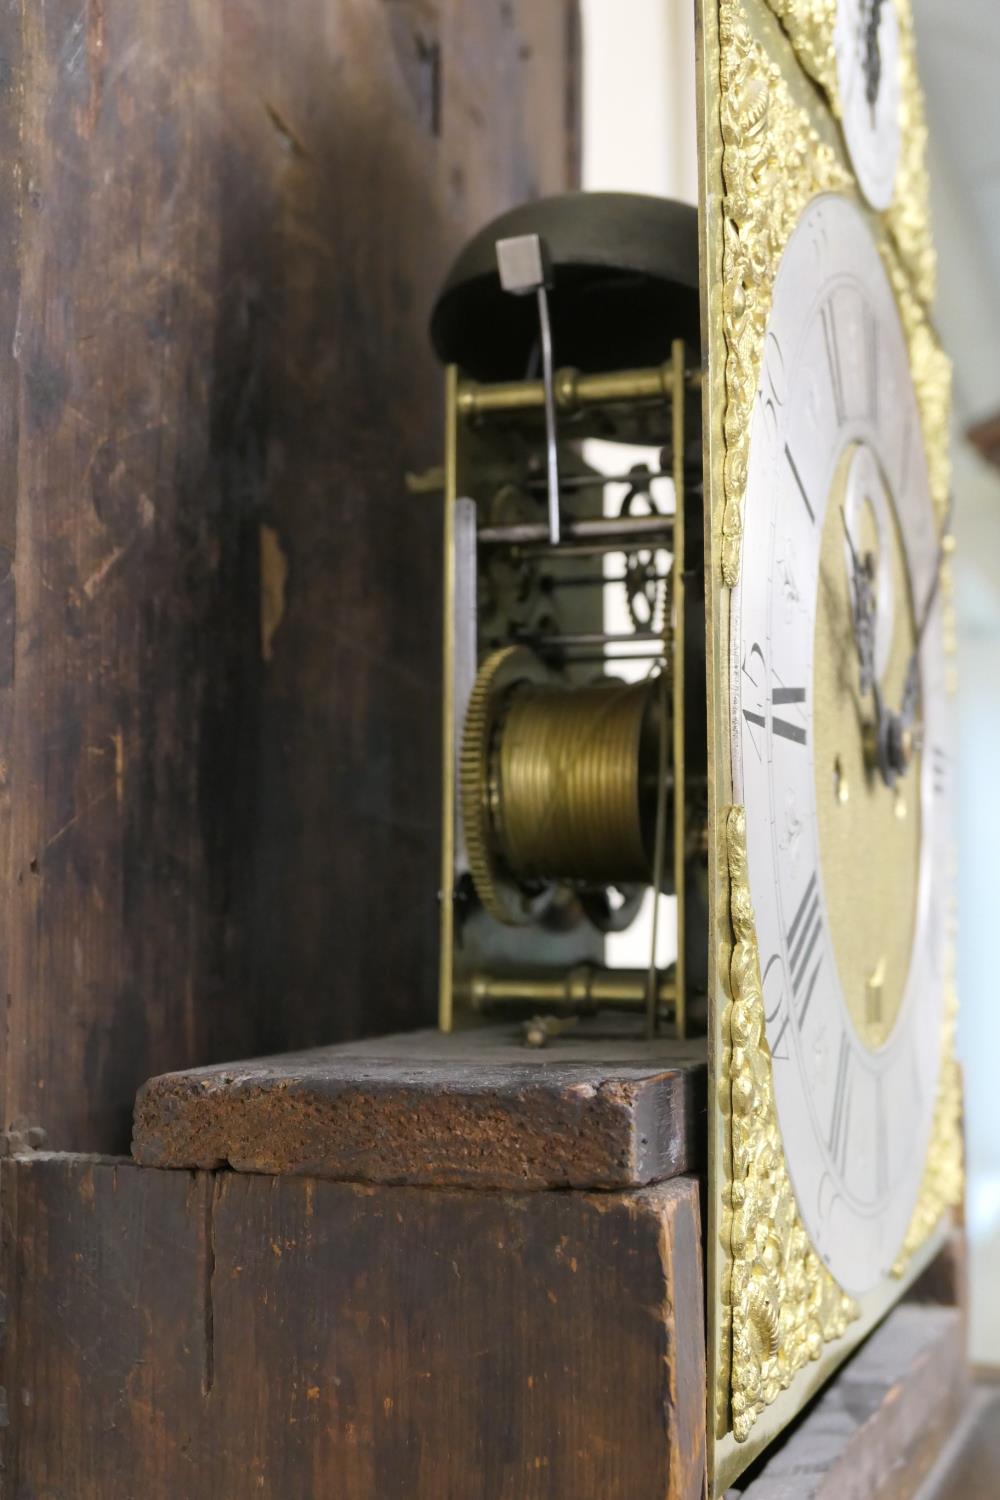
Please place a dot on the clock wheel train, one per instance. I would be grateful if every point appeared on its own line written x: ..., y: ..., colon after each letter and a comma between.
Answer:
x: 660, y: 726
x: 574, y: 741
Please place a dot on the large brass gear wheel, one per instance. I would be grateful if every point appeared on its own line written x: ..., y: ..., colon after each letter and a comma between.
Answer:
x: 502, y: 897
x: 559, y: 788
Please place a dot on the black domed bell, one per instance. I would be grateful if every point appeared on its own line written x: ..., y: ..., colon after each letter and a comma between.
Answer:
x: 625, y: 270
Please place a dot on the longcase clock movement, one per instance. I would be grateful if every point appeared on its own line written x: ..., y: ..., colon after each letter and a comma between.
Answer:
x: 697, y: 670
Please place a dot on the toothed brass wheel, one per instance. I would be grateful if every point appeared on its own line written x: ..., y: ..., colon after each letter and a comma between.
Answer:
x: 499, y: 675
x: 558, y: 786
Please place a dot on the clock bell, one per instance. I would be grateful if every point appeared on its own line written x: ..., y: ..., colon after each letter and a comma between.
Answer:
x: 574, y: 737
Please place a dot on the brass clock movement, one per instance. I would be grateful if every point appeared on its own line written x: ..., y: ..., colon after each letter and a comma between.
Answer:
x: 697, y: 670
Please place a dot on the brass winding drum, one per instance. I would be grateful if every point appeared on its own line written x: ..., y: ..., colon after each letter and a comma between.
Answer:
x: 559, y: 783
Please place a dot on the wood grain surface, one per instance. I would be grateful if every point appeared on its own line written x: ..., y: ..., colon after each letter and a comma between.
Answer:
x: 969, y: 1465
x: 222, y: 228
x: 877, y: 1430
x: 474, y: 1109
x: 209, y: 1335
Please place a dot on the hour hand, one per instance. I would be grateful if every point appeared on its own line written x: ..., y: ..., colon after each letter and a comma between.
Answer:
x: 873, y: 56
x: 863, y: 610
x: 899, y: 734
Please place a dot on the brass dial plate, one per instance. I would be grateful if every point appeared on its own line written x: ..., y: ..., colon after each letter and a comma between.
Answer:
x: 768, y: 143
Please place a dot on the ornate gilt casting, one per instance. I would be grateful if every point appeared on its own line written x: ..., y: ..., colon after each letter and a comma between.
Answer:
x: 780, y: 1305
x: 810, y: 27
x: 783, y: 1302
x: 909, y: 215
x: 773, y: 162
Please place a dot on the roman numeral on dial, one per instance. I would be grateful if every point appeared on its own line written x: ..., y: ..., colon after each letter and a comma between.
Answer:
x: 871, y: 341
x: 833, y: 359
x: 794, y: 732
x: 804, y: 961
x: 840, y: 1117
x: 754, y: 670
x: 799, y: 485
x: 773, y: 984
x: 788, y: 731
x: 939, y: 770
x: 801, y: 965
x: 881, y: 1143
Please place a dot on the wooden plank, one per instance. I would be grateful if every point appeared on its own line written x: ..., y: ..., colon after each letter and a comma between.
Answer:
x: 212, y: 1335
x: 107, y: 1334
x: 875, y: 1433
x: 946, y: 1279
x: 474, y: 1109
x: 985, y: 438
x: 223, y: 227
x: 969, y: 1466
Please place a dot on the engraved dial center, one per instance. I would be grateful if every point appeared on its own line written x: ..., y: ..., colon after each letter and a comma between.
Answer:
x: 866, y: 845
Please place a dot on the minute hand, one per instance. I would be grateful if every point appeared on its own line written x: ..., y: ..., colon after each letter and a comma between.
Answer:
x: 911, y: 683
x: 863, y: 613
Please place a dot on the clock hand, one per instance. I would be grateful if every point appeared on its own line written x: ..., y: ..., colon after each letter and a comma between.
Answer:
x: 911, y: 685
x: 897, y: 737
x: 863, y: 612
x: 873, y: 57
x: 887, y: 739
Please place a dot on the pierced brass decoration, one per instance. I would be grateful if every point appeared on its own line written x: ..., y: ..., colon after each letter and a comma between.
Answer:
x: 810, y: 28
x: 784, y: 1304
x: 909, y: 215
x: 773, y: 163
x: 810, y: 25
x: 942, y: 1182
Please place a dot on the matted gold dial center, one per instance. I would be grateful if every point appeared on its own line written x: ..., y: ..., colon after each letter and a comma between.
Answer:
x: 869, y: 834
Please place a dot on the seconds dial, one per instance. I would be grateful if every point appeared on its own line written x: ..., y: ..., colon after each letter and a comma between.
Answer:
x: 866, y: 47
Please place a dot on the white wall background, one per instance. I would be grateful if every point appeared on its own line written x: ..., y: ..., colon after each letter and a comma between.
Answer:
x: 638, y: 95
x: 638, y: 136
x: 959, y: 50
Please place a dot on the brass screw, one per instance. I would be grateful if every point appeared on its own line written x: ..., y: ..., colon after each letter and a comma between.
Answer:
x: 540, y: 1030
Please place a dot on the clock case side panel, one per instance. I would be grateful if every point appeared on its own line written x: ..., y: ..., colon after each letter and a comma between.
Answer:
x: 769, y: 105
